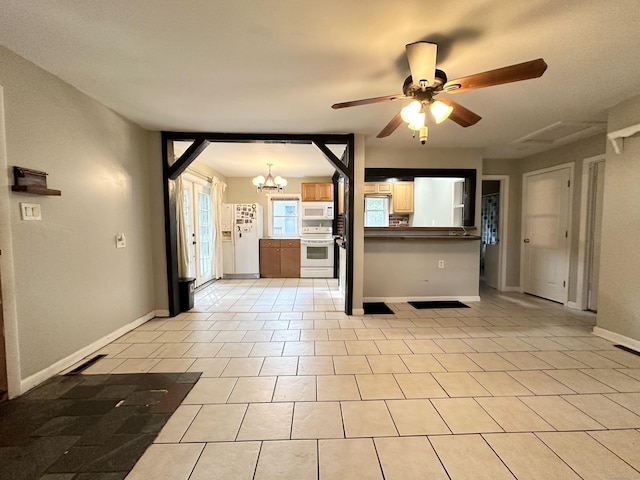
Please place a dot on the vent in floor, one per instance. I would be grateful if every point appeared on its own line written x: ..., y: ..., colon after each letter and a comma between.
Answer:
x: 85, y: 365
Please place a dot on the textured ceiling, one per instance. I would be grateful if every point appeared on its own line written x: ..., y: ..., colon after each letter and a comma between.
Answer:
x: 276, y: 66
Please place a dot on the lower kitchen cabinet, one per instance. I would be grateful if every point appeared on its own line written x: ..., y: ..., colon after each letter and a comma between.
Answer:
x: 279, y: 258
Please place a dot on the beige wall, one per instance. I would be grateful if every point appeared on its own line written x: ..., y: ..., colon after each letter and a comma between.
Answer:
x: 386, y: 157
x: 71, y: 285
x: 619, y: 287
x: 462, y: 259
x: 241, y: 190
x: 573, y: 153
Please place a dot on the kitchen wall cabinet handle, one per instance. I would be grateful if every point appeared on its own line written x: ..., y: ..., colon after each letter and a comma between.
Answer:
x: 526, y: 240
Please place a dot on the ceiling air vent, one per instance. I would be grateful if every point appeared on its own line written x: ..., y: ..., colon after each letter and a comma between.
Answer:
x: 562, y: 132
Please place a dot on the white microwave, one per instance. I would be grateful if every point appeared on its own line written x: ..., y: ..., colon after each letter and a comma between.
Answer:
x: 317, y: 210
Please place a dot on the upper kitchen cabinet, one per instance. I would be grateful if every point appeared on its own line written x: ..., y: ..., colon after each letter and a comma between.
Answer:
x: 317, y: 192
x: 383, y: 188
x: 402, y: 197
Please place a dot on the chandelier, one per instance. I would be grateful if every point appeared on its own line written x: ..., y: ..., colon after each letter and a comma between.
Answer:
x: 270, y: 184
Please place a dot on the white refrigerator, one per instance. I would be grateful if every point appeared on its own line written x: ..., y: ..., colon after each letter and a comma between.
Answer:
x: 241, y: 234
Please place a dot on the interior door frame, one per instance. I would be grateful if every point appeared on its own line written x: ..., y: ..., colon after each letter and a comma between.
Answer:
x: 582, y: 285
x: 503, y: 226
x: 525, y: 175
x: 8, y: 284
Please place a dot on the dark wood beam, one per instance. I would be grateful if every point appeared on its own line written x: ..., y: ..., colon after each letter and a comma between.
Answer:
x: 181, y: 164
x: 337, y: 163
x: 332, y: 138
x: 201, y: 139
x: 170, y: 229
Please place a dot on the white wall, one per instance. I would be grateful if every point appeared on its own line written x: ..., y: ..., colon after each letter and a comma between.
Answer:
x: 619, y: 287
x: 72, y: 286
x: 433, y: 202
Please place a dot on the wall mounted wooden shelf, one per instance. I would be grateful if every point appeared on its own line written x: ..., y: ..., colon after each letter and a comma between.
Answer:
x: 31, y: 181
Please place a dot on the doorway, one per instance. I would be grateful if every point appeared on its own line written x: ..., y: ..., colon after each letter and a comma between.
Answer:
x: 594, y: 229
x: 199, y: 227
x: 493, y: 231
x: 490, y: 233
x: 592, y: 195
x: 545, y: 232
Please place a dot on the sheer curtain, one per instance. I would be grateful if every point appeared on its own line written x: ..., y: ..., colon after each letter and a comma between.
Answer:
x: 183, y: 246
x: 217, y: 191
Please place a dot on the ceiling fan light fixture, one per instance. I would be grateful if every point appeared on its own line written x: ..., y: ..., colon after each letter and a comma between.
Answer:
x: 414, y: 115
x: 440, y: 111
x: 269, y: 183
x: 424, y: 133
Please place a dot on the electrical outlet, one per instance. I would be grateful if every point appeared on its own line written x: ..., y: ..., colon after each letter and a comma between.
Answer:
x: 440, y: 263
x: 121, y: 241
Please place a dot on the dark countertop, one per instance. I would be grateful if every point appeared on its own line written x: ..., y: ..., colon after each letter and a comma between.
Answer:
x: 421, y: 233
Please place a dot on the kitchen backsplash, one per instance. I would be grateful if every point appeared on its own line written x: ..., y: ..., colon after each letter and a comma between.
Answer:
x: 396, y: 220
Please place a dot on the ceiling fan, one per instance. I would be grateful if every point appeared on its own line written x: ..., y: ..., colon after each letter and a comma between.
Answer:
x: 431, y: 82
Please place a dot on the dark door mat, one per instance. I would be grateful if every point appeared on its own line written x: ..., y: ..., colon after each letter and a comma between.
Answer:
x: 438, y: 304
x: 87, y: 426
x: 377, y: 308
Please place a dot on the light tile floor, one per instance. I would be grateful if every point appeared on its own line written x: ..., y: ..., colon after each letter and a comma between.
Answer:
x: 292, y: 388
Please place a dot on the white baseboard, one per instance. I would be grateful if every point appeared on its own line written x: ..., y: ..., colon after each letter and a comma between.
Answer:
x: 28, y: 383
x: 574, y: 305
x: 358, y: 312
x: 162, y: 313
x: 617, y: 338
x: 420, y: 299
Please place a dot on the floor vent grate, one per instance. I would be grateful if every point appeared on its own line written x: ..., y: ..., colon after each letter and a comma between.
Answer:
x: 627, y: 349
x: 85, y: 365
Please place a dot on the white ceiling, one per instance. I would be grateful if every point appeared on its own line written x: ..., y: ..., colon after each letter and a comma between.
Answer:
x: 250, y: 159
x: 276, y: 66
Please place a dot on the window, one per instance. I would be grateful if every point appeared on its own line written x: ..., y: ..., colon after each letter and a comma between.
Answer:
x: 376, y: 211
x: 283, y: 216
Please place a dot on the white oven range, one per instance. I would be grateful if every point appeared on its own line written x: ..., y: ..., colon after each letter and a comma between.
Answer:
x: 316, y: 252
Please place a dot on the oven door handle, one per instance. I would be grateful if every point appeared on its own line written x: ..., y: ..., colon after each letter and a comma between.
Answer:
x: 321, y: 243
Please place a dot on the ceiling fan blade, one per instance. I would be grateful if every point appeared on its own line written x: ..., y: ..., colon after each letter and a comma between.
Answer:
x: 461, y: 115
x: 422, y: 62
x: 512, y: 73
x: 367, y: 101
x: 391, y: 126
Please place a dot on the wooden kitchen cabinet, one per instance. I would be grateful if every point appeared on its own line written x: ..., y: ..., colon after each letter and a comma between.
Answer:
x: 383, y: 188
x: 317, y: 192
x: 402, y: 197
x: 279, y: 258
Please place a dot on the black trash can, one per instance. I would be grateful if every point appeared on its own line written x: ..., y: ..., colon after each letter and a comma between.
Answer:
x: 186, y: 287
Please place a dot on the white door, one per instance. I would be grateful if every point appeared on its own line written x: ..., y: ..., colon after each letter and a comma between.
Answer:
x: 545, y: 233
x: 199, y: 228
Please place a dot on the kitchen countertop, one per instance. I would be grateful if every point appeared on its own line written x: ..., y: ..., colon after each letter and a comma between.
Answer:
x: 421, y: 233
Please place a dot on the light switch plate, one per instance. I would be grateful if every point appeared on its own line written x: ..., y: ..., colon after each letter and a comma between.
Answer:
x: 30, y: 211
x: 121, y: 241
